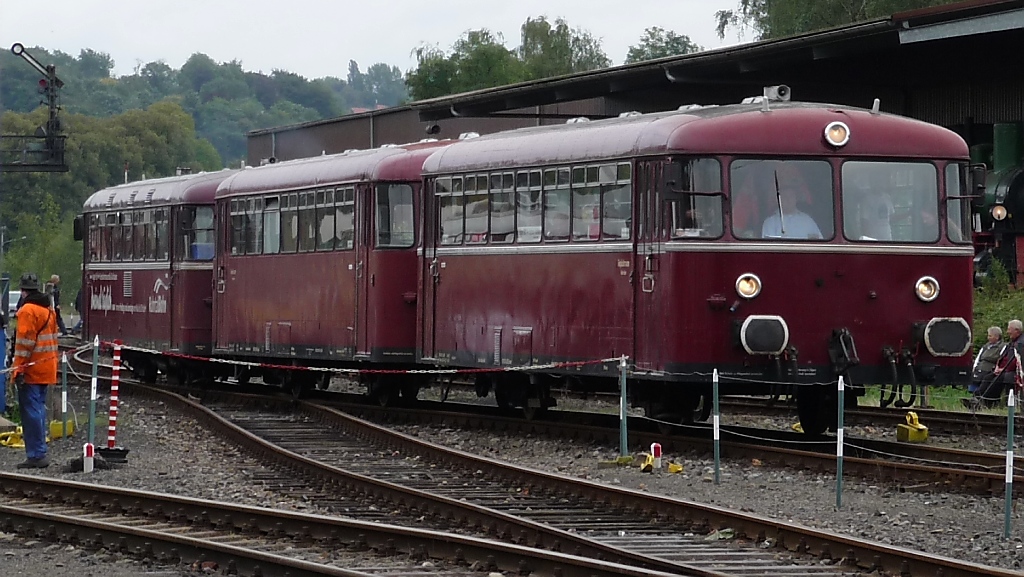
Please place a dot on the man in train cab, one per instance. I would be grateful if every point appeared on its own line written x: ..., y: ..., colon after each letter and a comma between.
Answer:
x: 790, y: 222
x: 34, y: 368
x: 875, y: 210
x: 1006, y: 372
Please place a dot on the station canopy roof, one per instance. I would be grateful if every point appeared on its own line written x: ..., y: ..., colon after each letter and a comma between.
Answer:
x: 945, y: 44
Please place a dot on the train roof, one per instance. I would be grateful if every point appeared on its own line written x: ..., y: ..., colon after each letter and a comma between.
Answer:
x: 197, y: 188
x: 388, y: 163
x: 787, y: 128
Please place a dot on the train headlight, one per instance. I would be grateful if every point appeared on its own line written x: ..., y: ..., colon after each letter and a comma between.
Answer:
x: 927, y: 289
x: 837, y: 134
x: 748, y: 285
x: 999, y: 212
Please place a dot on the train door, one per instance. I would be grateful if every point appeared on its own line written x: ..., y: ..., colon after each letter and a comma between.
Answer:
x: 429, y: 276
x: 363, y: 252
x: 647, y: 320
x: 219, y: 268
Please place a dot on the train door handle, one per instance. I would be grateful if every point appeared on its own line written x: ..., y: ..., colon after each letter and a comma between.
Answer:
x: 647, y: 283
x: 434, y: 271
x: 220, y: 286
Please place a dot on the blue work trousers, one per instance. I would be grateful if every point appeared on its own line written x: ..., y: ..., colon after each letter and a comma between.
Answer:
x: 32, y: 399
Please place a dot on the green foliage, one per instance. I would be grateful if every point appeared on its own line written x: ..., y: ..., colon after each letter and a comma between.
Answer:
x: 479, y: 59
x: 659, y: 43
x: 778, y: 18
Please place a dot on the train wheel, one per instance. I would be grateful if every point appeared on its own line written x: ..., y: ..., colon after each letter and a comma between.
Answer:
x: 697, y: 408
x: 145, y: 371
x: 384, y: 391
x: 324, y: 382
x: 409, y: 391
x: 532, y: 412
x: 816, y: 408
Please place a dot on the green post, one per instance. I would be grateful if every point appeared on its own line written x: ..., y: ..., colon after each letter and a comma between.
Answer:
x: 623, y: 438
x: 92, y: 392
x: 1010, y: 402
x: 64, y: 393
x: 839, y: 444
x: 716, y: 427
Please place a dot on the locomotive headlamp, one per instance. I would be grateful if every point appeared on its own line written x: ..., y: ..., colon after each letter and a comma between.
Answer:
x: 999, y: 212
x: 748, y: 285
x: 837, y: 133
x: 927, y: 289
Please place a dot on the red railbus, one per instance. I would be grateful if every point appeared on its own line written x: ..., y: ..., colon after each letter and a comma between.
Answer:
x: 148, y: 266
x: 777, y: 242
x: 317, y: 264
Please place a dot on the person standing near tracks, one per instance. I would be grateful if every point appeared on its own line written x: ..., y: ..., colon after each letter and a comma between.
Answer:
x: 35, y: 368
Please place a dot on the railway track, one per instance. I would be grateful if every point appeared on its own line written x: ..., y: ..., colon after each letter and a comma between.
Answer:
x: 240, y: 540
x: 634, y: 527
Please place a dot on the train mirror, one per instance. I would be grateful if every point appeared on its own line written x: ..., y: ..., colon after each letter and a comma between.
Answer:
x: 671, y: 180
x: 77, y: 227
x: 976, y: 185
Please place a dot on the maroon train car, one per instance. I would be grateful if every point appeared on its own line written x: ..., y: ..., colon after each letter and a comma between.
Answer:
x: 776, y: 243
x: 318, y: 262
x: 148, y: 266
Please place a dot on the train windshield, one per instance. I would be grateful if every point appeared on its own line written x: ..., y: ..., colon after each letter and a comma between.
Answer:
x: 958, y: 210
x: 890, y: 201
x: 782, y: 199
x: 697, y: 213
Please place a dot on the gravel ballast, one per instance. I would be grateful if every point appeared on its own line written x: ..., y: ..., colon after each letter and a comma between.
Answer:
x: 171, y: 453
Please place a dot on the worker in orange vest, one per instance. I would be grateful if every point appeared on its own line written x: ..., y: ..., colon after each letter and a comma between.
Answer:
x: 34, y: 368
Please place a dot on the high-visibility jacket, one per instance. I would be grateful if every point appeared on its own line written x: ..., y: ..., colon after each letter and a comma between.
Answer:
x: 35, y: 342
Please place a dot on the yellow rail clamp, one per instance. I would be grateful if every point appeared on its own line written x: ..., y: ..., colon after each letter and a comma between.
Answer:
x: 648, y: 465
x: 913, y: 431
x: 57, y: 429
x: 675, y: 468
x: 12, y: 439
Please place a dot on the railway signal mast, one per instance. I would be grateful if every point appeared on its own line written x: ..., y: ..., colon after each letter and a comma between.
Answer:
x: 44, y: 151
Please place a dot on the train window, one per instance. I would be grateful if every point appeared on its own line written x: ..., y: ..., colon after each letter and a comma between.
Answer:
x: 781, y: 199
x: 616, y: 211
x: 325, y: 220
x: 345, y: 211
x: 237, y: 227
x: 254, y: 226
x: 476, y: 216
x: 529, y: 213
x: 289, y: 222
x: 307, y: 222
x: 507, y: 181
x: 162, y: 233
x: 579, y: 175
x: 198, y: 233
x: 958, y: 210
x: 395, y: 216
x: 470, y: 184
x: 107, y: 237
x: 126, y: 237
x: 625, y: 171
x: 450, y: 219
x: 549, y: 177
x: 534, y: 178
x: 503, y: 215
x: 150, y: 250
x: 586, y: 212
x: 690, y: 215
x: 522, y: 180
x: 141, y: 229
x: 442, y: 185
x: 890, y: 201
x: 271, y: 225
x: 556, y: 208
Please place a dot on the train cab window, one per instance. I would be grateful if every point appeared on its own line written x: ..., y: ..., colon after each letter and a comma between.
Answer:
x: 556, y: 206
x: 503, y: 213
x: 782, y: 199
x: 344, y: 216
x: 958, y: 210
x: 477, y: 227
x: 126, y: 237
x: 289, y: 222
x: 616, y: 201
x: 107, y: 237
x: 198, y: 233
x: 448, y: 191
x: 271, y: 225
x: 694, y: 203
x: 394, y: 221
x: 139, y: 235
x: 325, y: 219
x: 890, y: 201
x: 307, y: 222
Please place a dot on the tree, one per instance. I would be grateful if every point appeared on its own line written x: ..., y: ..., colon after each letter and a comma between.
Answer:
x: 478, y: 59
x: 778, y: 18
x: 548, y: 50
x: 659, y: 43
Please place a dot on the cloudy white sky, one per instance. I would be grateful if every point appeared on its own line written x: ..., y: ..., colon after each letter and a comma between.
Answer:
x: 317, y: 38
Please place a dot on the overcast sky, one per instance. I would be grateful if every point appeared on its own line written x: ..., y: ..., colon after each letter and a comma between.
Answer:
x: 317, y: 38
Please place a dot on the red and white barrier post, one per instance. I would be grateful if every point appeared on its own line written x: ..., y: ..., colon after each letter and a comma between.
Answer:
x: 115, y: 380
x: 656, y: 453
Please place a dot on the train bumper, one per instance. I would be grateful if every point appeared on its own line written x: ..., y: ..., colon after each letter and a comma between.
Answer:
x: 945, y: 336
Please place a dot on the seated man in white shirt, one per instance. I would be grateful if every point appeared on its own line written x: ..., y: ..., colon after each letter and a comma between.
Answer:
x: 792, y: 223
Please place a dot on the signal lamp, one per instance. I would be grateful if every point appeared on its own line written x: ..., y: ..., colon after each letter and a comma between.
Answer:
x: 999, y: 212
x: 748, y: 285
x: 837, y: 134
x: 927, y: 289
